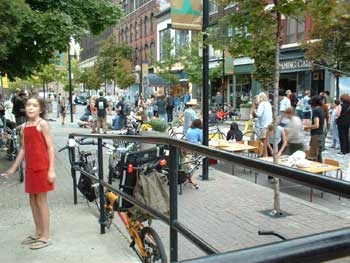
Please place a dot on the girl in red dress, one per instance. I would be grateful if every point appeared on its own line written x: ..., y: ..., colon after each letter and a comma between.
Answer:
x: 38, y: 152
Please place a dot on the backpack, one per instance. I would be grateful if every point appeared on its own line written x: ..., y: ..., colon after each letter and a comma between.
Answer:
x: 86, y: 188
x: 126, y: 109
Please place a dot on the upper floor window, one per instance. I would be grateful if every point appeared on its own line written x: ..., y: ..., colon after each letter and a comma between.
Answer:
x: 164, y: 38
x: 151, y: 22
x: 130, y: 32
x: 136, y: 31
x: 152, y: 50
x: 146, y: 25
x: 181, y: 40
x: 140, y: 26
x: 213, y: 7
x: 126, y: 35
x: 295, y: 29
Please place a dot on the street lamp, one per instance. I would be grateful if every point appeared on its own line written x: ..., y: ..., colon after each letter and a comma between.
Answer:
x: 73, y: 50
x: 139, y: 72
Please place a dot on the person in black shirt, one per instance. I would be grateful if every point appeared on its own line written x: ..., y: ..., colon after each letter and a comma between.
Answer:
x: 19, y: 107
x: 316, y: 129
x: 101, y: 105
x: 343, y: 122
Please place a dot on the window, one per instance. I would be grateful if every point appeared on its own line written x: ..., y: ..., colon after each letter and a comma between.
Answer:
x: 122, y: 35
x: 146, y: 51
x: 213, y: 7
x: 146, y: 26
x: 130, y: 33
x: 181, y: 40
x: 136, y: 31
x: 126, y: 35
x: 164, y: 37
x: 151, y: 22
x: 140, y: 26
x: 152, y: 50
x: 295, y: 30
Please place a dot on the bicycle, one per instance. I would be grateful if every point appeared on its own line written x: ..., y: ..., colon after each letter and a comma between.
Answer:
x: 216, y: 133
x: 144, y: 240
x: 174, y: 133
x: 87, y: 162
x: 13, y: 147
x: 251, y: 131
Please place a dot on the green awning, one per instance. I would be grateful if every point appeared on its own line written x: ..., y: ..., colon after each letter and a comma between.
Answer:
x: 244, y: 69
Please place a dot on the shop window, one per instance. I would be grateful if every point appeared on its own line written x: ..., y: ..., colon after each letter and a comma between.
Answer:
x: 164, y: 37
x: 295, y: 30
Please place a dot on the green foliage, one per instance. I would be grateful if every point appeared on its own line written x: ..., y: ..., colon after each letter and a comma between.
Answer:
x: 254, y: 33
x: 158, y: 125
x: 246, y: 105
x: 44, y: 26
x: 114, y: 63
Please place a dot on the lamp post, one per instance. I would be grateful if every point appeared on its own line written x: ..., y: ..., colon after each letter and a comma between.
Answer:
x: 139, y: 72
x: 73, y: 50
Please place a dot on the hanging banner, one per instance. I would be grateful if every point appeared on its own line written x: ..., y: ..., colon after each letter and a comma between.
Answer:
x: 186, y: 14
x: 228, y: 63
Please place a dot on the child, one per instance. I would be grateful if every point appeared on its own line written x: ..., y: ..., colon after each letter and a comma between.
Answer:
x: 40, y: 171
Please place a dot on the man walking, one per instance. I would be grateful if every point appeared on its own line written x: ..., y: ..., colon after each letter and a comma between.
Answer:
x: 170, y: 107
x: 101, y: 105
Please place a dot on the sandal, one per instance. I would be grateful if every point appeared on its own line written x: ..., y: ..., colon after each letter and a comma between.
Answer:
x: 29, y: 240
x: 38, y: 244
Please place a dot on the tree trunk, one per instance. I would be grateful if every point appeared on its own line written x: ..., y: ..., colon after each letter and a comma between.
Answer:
x: 276, y: 181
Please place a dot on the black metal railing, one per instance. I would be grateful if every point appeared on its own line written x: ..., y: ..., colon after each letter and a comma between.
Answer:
x: 323, y: 183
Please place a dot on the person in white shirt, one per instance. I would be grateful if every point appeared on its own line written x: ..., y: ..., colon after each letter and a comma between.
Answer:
x: 307, y: 111
x: 264, y: 115
x: 284, y: 104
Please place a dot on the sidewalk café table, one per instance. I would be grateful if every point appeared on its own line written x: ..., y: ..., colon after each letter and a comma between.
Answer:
x: 307, y: 166
x: 230, y: 146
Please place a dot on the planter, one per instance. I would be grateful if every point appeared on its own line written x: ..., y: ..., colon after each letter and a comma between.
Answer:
x: 245, y: 113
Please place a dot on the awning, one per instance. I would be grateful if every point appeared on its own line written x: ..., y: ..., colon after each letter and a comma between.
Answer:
x: 155, y: 80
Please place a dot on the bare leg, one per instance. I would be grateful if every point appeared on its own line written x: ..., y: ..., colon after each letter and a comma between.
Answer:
x: 44, y: 215
x: 36, y: 215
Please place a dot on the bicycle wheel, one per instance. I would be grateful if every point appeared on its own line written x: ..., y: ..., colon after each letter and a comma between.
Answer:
x: 153, y: 245
x: 21, y: 172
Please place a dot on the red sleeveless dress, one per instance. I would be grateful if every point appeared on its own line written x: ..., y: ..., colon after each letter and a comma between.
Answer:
x: 36, y: 160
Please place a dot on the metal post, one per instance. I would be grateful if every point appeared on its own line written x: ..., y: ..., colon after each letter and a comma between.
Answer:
x: 174, y: 164
x: 223, y: 79
x: 102, y: 220
x: 205, y: 85
x: 70, y: 84
x: 73, y: 173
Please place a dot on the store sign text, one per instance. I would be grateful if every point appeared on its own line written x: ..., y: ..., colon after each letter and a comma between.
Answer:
x: 295, y: 64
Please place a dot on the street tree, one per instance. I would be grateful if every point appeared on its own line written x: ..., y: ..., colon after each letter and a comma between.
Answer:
x: 41, y: 27
x: 256, y: 28
x: 114, y: 62
x: 331, y: 31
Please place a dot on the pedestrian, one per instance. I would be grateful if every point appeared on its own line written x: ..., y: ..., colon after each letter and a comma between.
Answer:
x: 63, y: 109
x: 343, y: 122
x: 326, y: 124
x: 19, y: 107
x: 122, y: 112
x: 234, y: 133
x: 336, y: 110
x: 101, y: 105
x: 294, y: 131
x: 305, y: 101
x: 194, y: 134
x: 264, y: 115
x: 161, y: 104
x: 316, y: 129
x: 40, y: 170
x: 189, y: 115
x: 282, y: 140
x: 285, y: 103
x: 170, y: 107
x: 218, y: 99
x: 93, y: 116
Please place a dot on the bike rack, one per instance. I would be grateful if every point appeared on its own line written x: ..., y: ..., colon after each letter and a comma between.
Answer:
x: 315, y: 248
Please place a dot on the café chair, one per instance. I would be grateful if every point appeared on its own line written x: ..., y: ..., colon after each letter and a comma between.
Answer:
x: 334, y: 163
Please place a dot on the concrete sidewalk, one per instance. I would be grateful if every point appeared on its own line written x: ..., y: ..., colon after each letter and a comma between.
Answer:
x: 226, y: 211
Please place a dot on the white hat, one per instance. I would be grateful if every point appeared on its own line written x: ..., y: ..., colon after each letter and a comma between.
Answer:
x: 192, y: 102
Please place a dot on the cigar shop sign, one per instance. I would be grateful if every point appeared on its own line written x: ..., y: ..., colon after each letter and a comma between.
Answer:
x: 295, y: 65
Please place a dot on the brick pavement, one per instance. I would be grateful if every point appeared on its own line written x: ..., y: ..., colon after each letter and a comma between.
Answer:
x: 225, y: 211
